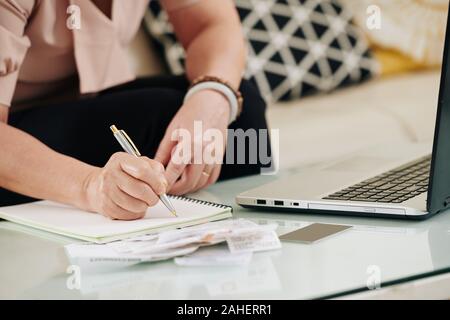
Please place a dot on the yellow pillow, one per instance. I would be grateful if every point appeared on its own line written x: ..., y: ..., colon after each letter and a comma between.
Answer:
x: 393, y: 62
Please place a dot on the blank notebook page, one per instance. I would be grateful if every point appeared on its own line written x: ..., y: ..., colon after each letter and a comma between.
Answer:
x: 83, y: 225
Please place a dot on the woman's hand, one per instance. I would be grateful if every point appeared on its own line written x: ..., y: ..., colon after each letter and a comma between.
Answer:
x: 125, y: 187
x: 4, y: 113
x: 212, y: 111
x: 198, y: 27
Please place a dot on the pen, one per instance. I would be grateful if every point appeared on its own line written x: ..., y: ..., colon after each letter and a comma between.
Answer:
x: 129, y: 147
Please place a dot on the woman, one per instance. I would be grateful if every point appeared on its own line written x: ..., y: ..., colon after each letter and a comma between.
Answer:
x: 64, y: 81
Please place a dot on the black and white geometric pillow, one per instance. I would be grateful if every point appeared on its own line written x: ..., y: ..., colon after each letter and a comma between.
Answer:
x: 296, y: 47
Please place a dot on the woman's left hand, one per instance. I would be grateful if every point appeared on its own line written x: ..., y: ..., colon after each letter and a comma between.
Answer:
x: 211, y: 110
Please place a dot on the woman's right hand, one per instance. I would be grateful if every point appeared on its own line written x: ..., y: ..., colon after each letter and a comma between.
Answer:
x: 125, y: 187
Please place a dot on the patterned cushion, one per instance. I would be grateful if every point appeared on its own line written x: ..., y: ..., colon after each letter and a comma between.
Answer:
x: 296, y: 47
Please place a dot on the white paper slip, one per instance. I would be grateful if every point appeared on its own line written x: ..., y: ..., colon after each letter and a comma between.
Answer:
x: 214, y: 257
x: 75, y: 223
x: 243, y: 238
x: 92, y: 256
x: 160, y: 247
x: 253, y: 242
x: 212, y: 228
x: 129, y: 246
x: 101, y: 256
x: 204, y: 238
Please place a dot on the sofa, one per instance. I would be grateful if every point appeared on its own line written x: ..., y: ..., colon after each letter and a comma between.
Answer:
x: 393, y: 109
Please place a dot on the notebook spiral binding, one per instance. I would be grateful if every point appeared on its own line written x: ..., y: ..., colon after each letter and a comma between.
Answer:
x: 208, y: 203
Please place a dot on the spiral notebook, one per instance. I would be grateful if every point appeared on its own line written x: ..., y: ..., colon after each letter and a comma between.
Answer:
x: 75, y: 223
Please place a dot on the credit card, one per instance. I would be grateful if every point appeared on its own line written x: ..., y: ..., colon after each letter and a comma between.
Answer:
x: 314, y: 233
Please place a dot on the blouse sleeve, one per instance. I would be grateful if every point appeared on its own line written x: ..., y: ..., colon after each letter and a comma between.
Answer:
x: 14, y: 44
x: 171, y: 5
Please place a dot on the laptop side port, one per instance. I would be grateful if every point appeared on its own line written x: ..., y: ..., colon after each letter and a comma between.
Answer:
x: 261, y: 202
x: 278, y: 203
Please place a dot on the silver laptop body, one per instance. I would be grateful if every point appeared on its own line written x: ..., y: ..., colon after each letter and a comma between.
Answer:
x: 308, y: 190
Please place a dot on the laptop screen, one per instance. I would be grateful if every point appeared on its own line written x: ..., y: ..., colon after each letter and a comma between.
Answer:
x: 439, y: 186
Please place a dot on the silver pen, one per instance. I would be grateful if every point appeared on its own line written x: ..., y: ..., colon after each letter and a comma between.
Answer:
x: 129, y: 147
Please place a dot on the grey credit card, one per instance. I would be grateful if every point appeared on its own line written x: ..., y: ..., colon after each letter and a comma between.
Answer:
x: 314, y: 232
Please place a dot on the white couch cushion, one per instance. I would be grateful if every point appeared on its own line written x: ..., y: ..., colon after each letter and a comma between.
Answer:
x: 397, y: 109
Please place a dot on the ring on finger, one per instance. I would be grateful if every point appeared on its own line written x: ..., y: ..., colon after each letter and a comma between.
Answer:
x: 207, y: 172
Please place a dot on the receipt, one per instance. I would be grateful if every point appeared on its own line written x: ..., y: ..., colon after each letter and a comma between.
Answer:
x: 242, y: 236
x: 210, y: 257
x: 147, y: 237
x: 254, y: 242
x: 130, y: 246
x: 100, y: 256
x: 216, y: 229
x: 161, y: 247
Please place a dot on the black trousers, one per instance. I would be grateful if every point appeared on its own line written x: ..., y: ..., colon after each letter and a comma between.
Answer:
x: 144, y: 108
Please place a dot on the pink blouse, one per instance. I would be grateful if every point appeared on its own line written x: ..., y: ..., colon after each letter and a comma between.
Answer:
x: 45, y: 43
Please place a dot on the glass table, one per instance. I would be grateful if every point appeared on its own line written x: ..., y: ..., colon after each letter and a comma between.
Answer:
x: 34, y: 266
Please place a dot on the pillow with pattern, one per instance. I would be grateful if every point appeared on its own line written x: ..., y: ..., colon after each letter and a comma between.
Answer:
x: 296, y: 47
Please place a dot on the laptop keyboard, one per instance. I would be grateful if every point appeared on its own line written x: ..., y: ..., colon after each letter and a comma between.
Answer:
x: 395, y: 186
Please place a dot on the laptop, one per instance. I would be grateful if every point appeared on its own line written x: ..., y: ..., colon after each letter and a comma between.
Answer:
x: 411, y: 182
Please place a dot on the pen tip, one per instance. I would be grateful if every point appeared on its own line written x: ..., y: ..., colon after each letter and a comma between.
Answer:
x: 174, y: 213
x: 113, y: 129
